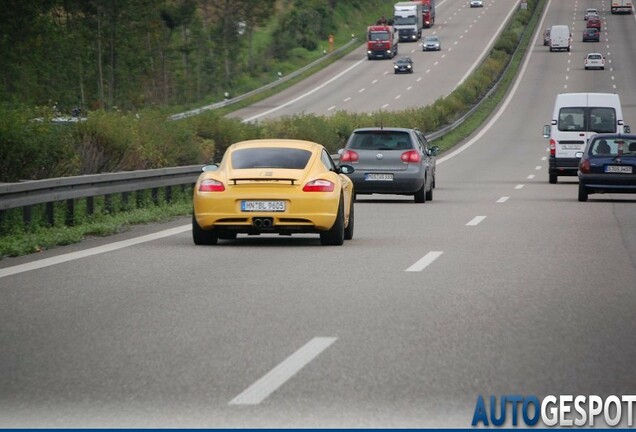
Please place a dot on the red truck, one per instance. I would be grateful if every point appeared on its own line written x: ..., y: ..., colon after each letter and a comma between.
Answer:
x: 428, y: 12
x: 382, y: 41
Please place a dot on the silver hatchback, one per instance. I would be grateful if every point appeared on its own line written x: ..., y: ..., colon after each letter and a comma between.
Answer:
x: 391, y: 160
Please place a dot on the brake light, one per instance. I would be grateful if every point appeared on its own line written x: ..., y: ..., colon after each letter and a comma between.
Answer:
x: 319, y: 185
x: 552, y: 147
x: 584, y: 166
x: 349, y: 156
x: 210, y: 185
x: 411, y: 156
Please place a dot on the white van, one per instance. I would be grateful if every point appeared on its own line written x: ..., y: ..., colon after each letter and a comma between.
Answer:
x: 560, y: 38
x: 576, y: 117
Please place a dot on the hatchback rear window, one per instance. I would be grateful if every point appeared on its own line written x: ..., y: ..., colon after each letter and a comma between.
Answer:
x: 380, y: 140
x: 270, y: 157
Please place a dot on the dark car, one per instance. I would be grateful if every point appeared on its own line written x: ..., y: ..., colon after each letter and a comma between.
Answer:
x: 591, y: 35
x: 546, y: 37
x: 608, y: 165
x: 593, y: 23
x: 403, y: 65
x: 389, y: 160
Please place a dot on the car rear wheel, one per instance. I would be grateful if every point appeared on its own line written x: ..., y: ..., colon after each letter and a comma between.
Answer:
x: 336, y: 234
x: 348, y: 233
x: 420, y: 195
x: 582, y: 193
x: 429, y: 194
x: 201, y: 236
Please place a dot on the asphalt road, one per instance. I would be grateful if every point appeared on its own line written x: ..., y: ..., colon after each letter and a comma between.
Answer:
x: 503, y: 284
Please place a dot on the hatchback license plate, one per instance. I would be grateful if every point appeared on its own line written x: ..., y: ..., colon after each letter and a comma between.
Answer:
x: 621, y: 169
x: 378, y: 177
x: 263, y: 206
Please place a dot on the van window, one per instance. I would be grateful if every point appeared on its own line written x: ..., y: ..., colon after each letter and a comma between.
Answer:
x: 581, y: 119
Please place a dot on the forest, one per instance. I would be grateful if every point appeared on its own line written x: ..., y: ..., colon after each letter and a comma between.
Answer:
x: 135, y: 54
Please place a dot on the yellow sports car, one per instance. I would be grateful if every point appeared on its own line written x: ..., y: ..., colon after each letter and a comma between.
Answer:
x: 274, y: 186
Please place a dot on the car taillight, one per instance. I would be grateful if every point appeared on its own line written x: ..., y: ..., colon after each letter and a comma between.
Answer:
x: 210, y: 185
x: 411, y: 156
x: 584, y: 166
x: 552, y: 147
x: 319, y: 185
x: 349, y: 156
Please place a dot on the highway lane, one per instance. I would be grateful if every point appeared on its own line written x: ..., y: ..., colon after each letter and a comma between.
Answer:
x: 526, y: 291
x: 356, y: 84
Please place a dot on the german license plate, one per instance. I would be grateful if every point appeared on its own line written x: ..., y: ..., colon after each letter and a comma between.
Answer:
x: 571, y: 146
x: 621, y: 169
x: 378, y: 177
x: 263, y: 206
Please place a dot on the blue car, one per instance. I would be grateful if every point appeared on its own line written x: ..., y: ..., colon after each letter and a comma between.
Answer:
x: 608, y: 165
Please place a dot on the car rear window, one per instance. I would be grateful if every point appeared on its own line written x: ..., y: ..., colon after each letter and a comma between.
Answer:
x: 580, y: 119
x: 380, y: 140
x: 613, y: 147
x: 270, y: 157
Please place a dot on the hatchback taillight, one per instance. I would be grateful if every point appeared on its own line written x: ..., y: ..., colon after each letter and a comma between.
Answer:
x: 411, y: 156
x: 584, y: 166
x: 349, y: 156
x: 319, y: 185
x: 210, y: 185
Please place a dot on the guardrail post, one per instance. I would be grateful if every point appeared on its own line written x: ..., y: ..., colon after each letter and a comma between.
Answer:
x: 168, y: 194
x: 26, y: 215
x: 154, y: 193
x: 108, y: 203
x: 90, y: 206
x: 50, y: 213
x: 70, y: 212
x: 124, y: 199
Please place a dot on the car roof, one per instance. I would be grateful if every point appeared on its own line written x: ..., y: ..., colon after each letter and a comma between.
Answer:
x: 613, y: 136
x: 594, y: 54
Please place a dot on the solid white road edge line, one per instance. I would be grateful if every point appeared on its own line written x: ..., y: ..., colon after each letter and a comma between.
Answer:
x: 46, y: 262
x: 275, y: 378
x: 424, y: 261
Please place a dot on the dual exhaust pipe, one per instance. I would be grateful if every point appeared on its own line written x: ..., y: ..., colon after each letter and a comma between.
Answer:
x: 263, y: 222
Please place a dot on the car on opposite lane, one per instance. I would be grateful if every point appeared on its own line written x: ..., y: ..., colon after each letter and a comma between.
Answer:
x: 403, y: 65
x: 608, y: 165
x: 591, y: 35
x: 432, y: 43
x: 277, y: 186
x: 391, y: 160
x: 594, y: 61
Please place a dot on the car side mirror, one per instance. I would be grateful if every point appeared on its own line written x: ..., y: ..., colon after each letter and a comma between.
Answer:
x: 434, y: 150
x: 546, y: 131
x: 211, y: 167
x: 627, y: 129
x: 346, y: 169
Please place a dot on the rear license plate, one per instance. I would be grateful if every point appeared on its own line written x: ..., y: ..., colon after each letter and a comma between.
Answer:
x: 378, y: 177
x: 263, y: 206
x: 621, y: 169
x: 571, y: 146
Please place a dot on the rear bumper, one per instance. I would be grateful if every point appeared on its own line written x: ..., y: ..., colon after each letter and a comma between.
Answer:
x: 601, y: 183
x: 564, y: 166
x: 403, y: 183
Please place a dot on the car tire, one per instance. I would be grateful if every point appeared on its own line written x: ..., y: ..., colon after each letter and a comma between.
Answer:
x: 336, y: 234
x: 201, y: 236
x: 420, y: 195
x: 348, y: 233
x: 583, y: 193
x: 429, y: 194
x: 553, y: 178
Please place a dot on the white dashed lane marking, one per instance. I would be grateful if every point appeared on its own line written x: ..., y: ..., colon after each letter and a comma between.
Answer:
x: 476, y: 221
x: 424, y: 262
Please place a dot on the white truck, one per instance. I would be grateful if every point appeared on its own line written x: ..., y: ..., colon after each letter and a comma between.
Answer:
x: 407, y: 19
x: 621, y: 6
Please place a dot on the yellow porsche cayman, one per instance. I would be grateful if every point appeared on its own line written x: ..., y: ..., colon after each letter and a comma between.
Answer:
x: 274, y: 186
